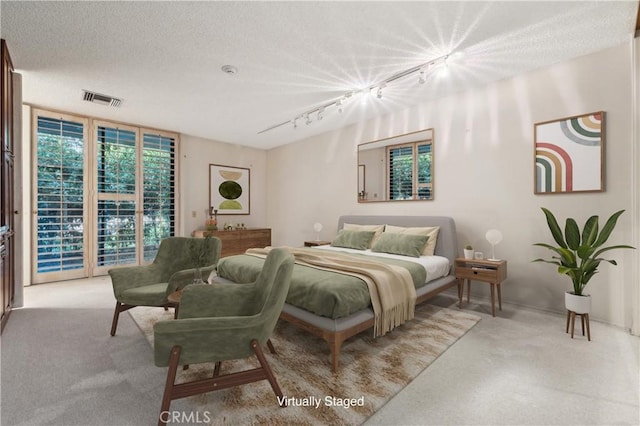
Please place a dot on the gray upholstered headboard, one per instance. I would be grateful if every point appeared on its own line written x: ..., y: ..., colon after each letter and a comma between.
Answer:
x: 446, y: 245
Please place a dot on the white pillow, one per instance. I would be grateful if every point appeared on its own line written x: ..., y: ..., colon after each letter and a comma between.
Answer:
x: 375, y: 228
x: 430, y: 231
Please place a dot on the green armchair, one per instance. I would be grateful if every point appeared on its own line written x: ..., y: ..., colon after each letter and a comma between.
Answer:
x: 171, y: 270
x: 221, y: 322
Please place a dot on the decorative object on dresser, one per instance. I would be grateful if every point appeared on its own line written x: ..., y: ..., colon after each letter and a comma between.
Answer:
x: 492, y: 272
x: 237, y: 241
x: 317, y: 227
x: 494, y: 237
x: 229, y: 189
x: 569, y: 154
x: 468, y: 251
x: 212, y: 222
x: 577, y: 256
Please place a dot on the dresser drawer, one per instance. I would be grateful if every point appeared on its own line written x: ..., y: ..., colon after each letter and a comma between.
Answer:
x: 237, y: 241
x: 477, y: 274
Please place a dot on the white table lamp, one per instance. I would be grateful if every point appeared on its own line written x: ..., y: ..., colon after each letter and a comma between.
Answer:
x: 317, y: 227
x: 494, y: 237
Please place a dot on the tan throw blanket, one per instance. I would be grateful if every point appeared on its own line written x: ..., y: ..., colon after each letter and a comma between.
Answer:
x: 393, y: 295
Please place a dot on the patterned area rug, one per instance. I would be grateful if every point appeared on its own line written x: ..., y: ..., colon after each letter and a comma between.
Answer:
x: 371, y: 371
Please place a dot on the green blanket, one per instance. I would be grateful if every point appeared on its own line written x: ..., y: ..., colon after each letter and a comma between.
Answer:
x: 325, y: 293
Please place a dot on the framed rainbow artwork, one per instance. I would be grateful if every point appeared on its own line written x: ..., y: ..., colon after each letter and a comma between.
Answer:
x: 569, y: 154
x: 229, y: 189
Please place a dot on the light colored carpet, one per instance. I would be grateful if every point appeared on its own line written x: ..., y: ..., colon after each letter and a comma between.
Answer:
x: 371, y: 371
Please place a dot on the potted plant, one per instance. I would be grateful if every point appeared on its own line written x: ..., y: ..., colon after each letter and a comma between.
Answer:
x: 578, y: 254
x: 468, y: 252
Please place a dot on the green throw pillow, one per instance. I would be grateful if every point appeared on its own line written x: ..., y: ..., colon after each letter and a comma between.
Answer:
x: 358, y: 240
x: 403, y: 244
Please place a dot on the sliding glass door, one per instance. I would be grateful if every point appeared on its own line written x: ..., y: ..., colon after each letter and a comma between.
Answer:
x: 117, y: 219
x: 103, y: 198
x: 60, y: 202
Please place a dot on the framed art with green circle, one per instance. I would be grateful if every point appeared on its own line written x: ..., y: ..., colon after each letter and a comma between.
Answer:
x: 229, y: 189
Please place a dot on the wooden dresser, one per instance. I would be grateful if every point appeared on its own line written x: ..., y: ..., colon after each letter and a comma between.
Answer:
x: 239, y: 240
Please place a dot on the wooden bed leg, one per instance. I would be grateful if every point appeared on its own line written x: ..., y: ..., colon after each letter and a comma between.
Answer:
x: 335, y: 346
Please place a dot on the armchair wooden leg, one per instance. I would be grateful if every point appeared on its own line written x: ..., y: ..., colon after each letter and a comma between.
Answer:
x: 267, y: 370
x: 120, y: 307
x: 270, y: 346
x: 181, y: 390
x: 168, y: 387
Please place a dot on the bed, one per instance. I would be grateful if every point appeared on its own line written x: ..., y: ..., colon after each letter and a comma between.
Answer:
x: 317, y: 304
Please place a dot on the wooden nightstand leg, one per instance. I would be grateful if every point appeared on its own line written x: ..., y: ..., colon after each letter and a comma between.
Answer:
x: 460, y: 292
x: 499, y: 296
x: 468, y: 290
x: 493, y: 302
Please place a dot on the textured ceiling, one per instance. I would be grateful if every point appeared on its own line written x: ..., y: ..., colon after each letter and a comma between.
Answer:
x: 164, y: 59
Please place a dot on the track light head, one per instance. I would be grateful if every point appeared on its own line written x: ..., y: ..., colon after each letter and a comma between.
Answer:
x: 425, y: 69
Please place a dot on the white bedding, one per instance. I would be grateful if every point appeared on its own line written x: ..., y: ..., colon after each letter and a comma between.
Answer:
x: 436, y: 266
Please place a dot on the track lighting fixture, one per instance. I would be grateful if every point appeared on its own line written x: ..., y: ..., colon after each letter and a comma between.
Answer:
x: 378, y: 87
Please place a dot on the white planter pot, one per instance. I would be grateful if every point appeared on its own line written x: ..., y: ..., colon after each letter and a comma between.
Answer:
x: 577, y: 304
x: 468, y: 254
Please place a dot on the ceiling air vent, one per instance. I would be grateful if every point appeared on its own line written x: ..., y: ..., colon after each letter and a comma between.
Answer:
x: 97, y: 98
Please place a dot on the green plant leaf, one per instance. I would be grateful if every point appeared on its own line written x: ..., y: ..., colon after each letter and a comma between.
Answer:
x: 587, y: 276
x: 585, y: 250
x: 620, y: 246
x: 556, y: 232
x: 590, y: 231
x: 572, y: 233
x: 553, y: 262
x: 565, y: 270
x: 567, y: 257
x: 608, y: 228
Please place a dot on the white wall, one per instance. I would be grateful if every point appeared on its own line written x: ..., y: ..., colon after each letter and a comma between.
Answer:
x: 195, y: 156
x: 483, y: 154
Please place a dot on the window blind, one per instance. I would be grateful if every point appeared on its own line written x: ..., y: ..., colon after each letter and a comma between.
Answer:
x: 59, y: 195
x: 159, y: 179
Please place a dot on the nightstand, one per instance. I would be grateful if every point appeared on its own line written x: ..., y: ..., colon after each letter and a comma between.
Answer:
x: 492, y: 272
x: 315, y: 243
